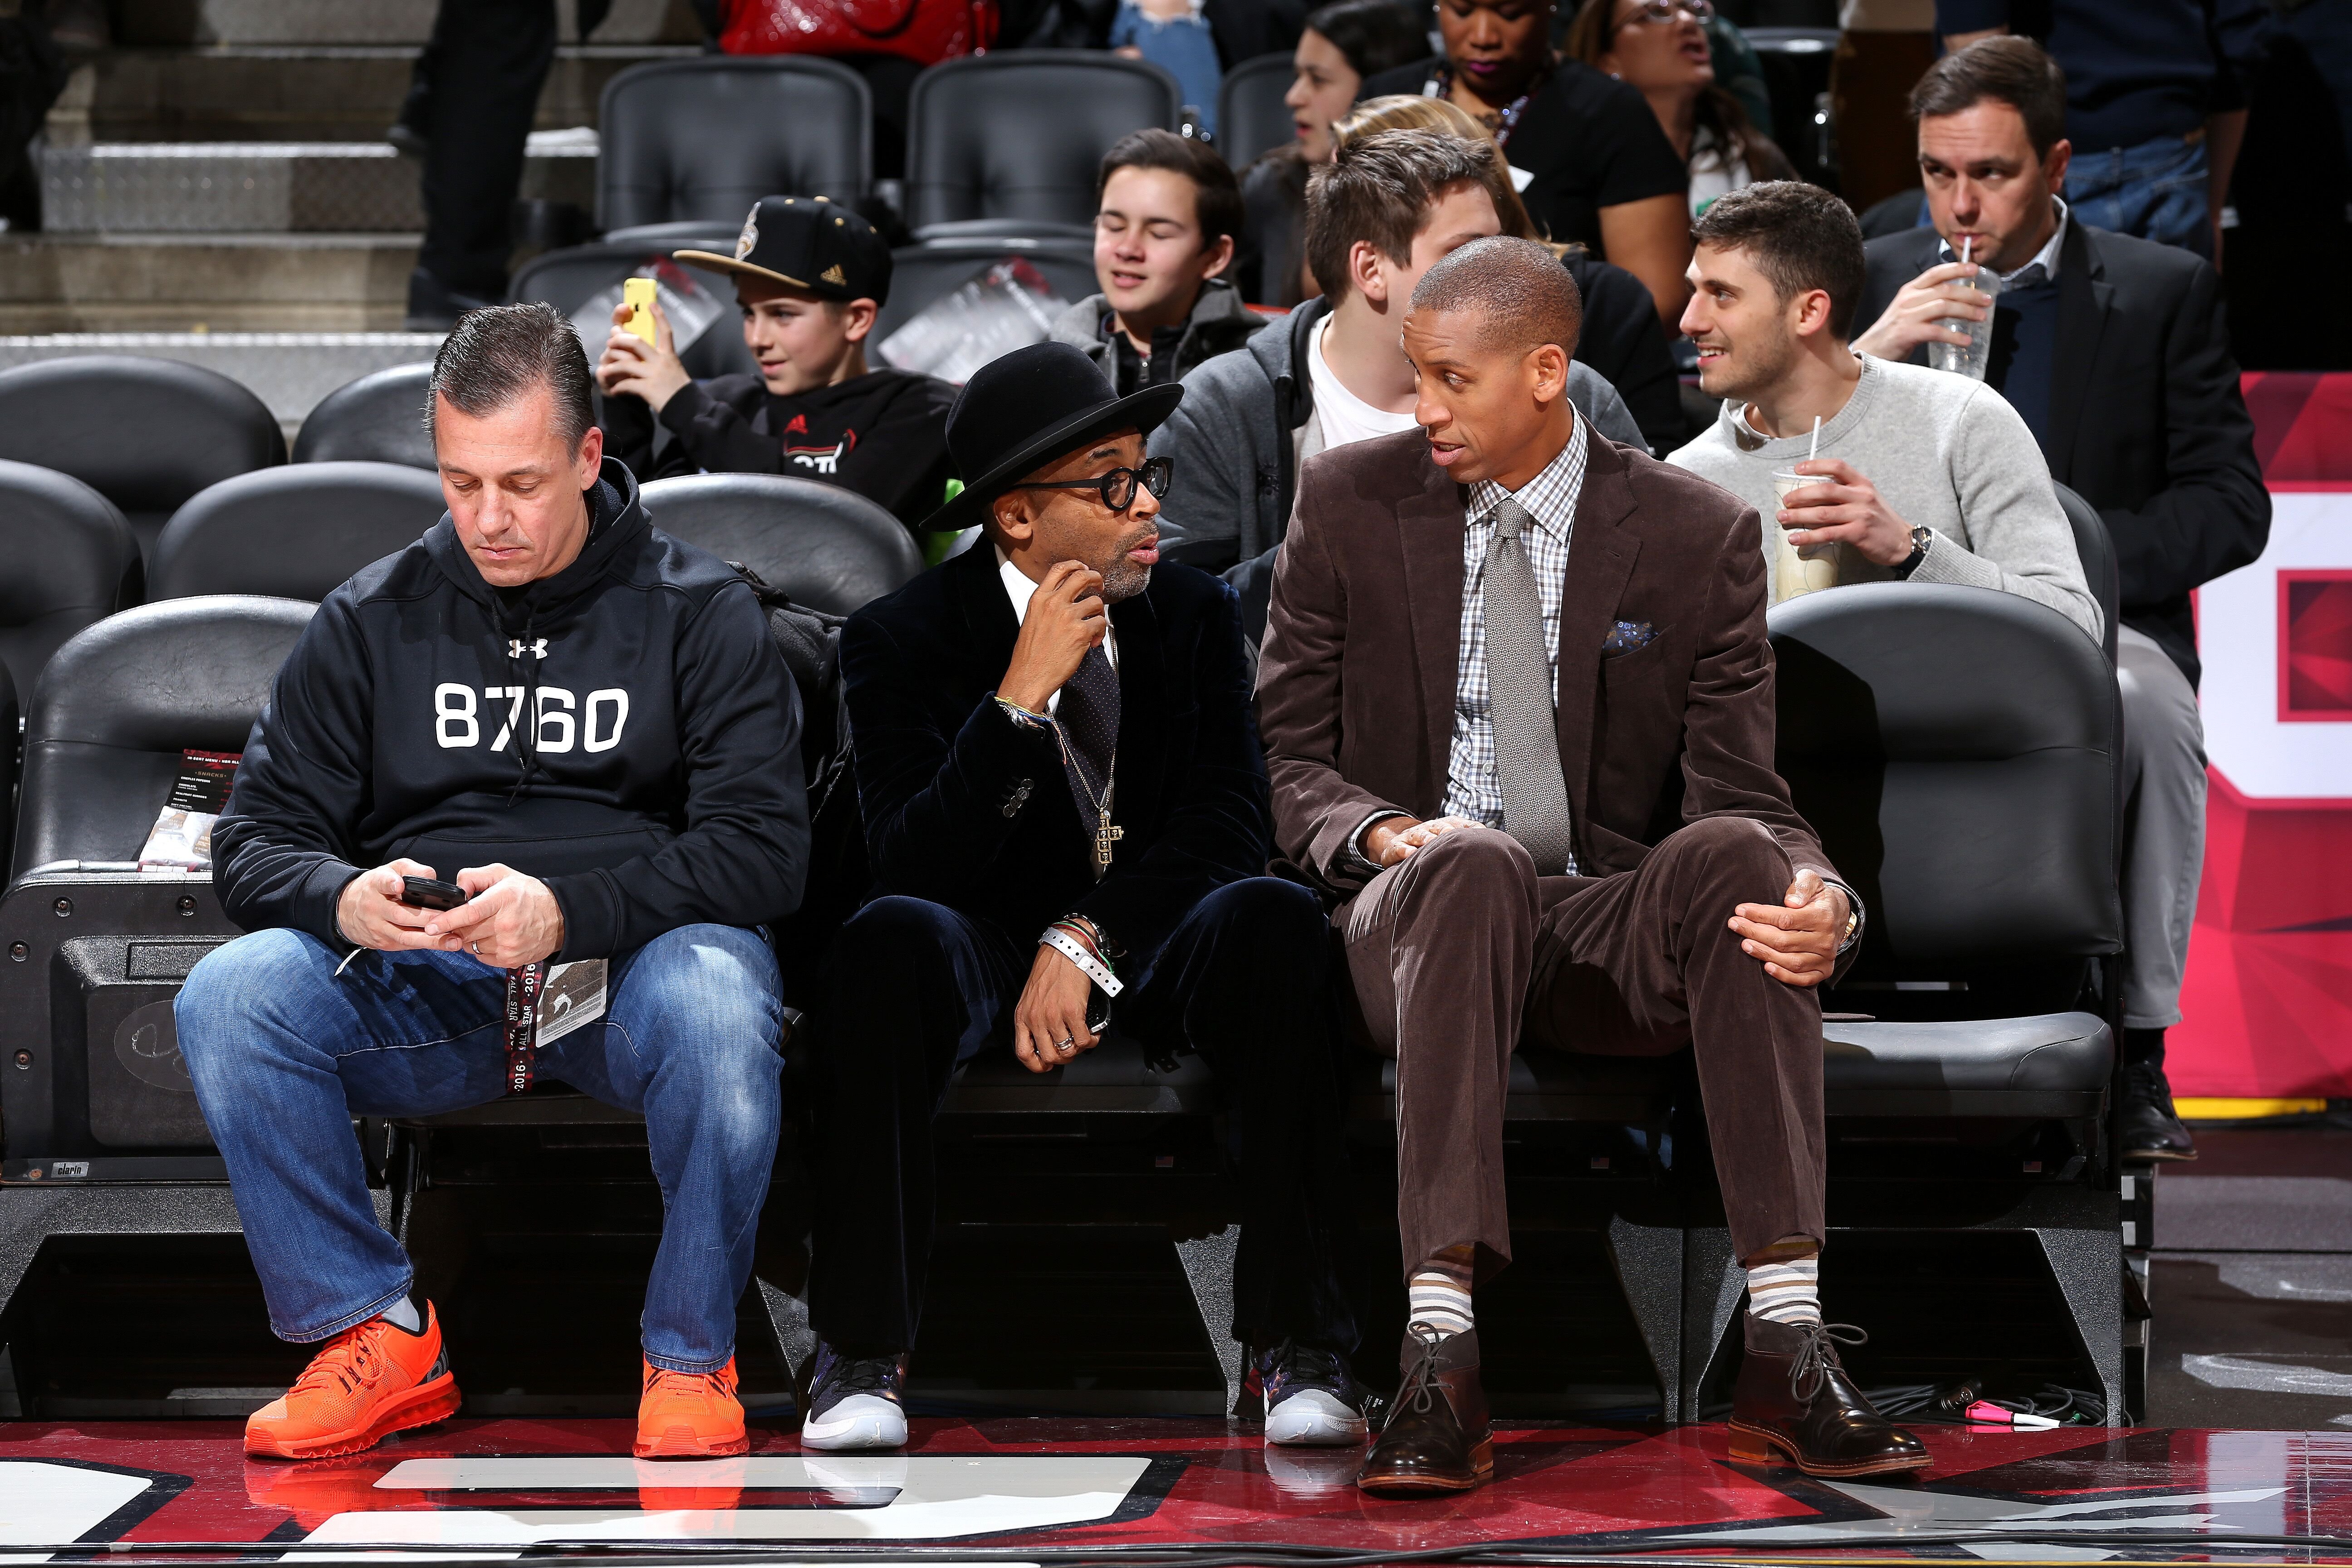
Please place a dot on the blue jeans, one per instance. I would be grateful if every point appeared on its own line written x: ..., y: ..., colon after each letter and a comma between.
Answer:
x: 2155, y: 190
x: 284, y: 1052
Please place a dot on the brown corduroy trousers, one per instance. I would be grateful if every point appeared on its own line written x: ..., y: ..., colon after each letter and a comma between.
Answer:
x: 1457, y: 949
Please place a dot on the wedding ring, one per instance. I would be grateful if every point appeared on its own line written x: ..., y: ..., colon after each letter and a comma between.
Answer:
x: 1066, y: 1042
x: 477, y: 947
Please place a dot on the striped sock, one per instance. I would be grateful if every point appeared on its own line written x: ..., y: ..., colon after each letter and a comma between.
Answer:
x: 1439, y: 1292
x: 1787, y: 1292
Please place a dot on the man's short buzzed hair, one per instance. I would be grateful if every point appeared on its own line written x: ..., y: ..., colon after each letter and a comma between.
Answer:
x: 496, y: 356
x: 1379, y: 190
x: 1521, y: 291
x: 1799, y: 235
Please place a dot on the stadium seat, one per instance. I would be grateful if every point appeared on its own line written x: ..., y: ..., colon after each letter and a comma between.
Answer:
x: 1956, y: 750
x: 921, y: 274
x: 146, y: 434
x: 693, y: 233
x: 569, y: 277
x: 1019, y: 133
x: 71, y: 560
x: 708, y: 137
x: 379, y: 418
x: 1796, y: 63
x: 1252, y: 119
x: 293, y: 533
x: 2096, y: 548
x: 101, y: 947
x: 828, y: 548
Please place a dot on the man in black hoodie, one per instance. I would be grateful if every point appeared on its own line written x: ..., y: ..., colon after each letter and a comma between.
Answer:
x: 585, y: 726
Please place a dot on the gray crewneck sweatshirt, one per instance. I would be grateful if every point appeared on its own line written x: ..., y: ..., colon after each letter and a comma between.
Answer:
x: 1944, y: 451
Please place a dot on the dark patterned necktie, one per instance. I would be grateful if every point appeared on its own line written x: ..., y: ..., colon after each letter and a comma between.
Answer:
x: 1088, y: 712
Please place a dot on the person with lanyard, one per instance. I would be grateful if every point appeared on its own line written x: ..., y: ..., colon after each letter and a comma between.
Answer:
x: 1066, y: 815
x: 1591, y: 163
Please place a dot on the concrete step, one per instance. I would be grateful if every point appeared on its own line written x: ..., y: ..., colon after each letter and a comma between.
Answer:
x: 272, y: 187
x: 315, y: 93
x: 149, y: 22
x: 205, y: 283
x: 291, y: 372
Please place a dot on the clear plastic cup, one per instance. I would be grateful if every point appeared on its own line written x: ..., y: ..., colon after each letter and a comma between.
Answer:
x: 1795, y: 570
x: 1968, y: 361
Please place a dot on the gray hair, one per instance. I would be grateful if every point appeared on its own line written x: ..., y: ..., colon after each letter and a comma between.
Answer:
x: 495, y: 356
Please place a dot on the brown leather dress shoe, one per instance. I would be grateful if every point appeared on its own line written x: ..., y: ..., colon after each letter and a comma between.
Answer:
x: 1436, y: 1437
x: 1794, y: 1403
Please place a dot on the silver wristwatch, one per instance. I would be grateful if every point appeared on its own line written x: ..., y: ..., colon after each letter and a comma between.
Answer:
x: 1923, y: 538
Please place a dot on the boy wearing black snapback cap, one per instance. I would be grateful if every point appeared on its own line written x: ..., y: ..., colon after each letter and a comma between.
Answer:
x: 810, y: 274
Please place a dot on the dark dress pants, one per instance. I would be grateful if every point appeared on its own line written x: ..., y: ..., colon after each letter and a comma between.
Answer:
x: 1457, y: 949
x: 919, y: 989
x: 489, y: 59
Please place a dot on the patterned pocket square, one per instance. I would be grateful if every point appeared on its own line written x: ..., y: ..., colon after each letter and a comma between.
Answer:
x: 1626, y: 636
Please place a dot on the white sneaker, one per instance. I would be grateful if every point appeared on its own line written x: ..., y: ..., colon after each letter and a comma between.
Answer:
x: 1311, y: 1418
x: 1310, y: 1400
x: 853, y: 1404
x: 858, y: 1420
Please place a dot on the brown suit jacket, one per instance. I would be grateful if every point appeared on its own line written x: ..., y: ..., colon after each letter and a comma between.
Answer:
x: 1356, y: 687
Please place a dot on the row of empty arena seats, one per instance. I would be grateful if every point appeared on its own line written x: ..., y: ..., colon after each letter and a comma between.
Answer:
x: 1978, y: 818
x: 1009, y: 136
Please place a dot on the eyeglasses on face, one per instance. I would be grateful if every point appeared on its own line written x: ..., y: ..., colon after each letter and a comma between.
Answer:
x: 1118, y: 486
x: 1699, y: 11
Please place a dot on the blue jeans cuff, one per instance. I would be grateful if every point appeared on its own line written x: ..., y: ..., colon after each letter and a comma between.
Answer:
x: 671, y: 1363
x: 350, y: 1320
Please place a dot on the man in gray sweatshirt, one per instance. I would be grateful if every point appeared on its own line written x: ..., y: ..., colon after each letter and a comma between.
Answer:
x: 1923, y: 474
x: 1930, y: 476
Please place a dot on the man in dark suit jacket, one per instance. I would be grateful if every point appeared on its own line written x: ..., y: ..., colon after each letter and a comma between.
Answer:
x: 2114, y: 351
x: 1065, y: 804
x: 1505, y: 622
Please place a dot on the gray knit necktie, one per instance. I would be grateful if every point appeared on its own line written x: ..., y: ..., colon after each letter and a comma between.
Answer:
x: 1519, y: 701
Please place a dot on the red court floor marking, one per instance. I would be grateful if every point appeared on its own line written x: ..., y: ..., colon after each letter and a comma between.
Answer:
x: 1191, y: 1482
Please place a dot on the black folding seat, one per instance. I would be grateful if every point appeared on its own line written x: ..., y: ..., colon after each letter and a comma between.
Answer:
x: 379, y: 418
x: 1018, y: 134
x: 294, y: 532
x: 71, y: 560
x: 2096, y: 548
x: 922, y: 274
x: 828, y: 548
x: 95, y: 1092
x: 1252, y: 119
x: 1956, y: 750
x: 146, y: 434
x: 706, y: 137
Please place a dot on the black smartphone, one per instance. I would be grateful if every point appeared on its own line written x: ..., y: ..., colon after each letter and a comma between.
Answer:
x: 430, y: 894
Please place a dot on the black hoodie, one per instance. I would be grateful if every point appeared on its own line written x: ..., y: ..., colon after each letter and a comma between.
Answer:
x: 660, y: 787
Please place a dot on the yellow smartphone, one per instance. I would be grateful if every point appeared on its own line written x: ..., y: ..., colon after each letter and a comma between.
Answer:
x: 637, y: 293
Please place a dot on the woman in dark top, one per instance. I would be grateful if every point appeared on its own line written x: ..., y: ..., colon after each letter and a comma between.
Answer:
x: 1598, y: 170
x: 1661, y: 50
x: 1620, y: 340
x: 1342, y: 44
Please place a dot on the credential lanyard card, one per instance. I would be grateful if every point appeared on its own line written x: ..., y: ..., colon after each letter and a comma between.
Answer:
x: 543, y: 1005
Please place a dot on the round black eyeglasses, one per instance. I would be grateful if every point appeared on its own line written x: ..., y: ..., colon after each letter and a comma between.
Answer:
x: 1118, y: 486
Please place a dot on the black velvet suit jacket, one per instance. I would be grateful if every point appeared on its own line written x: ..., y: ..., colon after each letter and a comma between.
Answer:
x: 2146, y: 421
x: 964, y: 807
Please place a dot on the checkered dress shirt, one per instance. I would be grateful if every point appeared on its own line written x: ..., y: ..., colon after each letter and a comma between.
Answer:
x: 1472, y: 789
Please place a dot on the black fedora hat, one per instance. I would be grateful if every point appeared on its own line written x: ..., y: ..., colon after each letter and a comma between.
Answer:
x: 1019, y: 412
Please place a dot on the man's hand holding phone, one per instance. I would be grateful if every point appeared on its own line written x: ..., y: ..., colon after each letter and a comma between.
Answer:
x: 507, y: 920
x: 372, y: 912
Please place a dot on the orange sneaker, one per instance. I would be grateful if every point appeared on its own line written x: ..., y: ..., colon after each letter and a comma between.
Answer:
x: 368, y: 1383
x: 690, y: 1415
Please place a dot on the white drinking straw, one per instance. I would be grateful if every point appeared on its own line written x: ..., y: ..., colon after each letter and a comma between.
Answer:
x: 1966, y: 241
x: 1815, y: 450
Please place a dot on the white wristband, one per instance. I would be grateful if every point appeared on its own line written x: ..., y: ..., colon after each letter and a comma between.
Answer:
x: 1074, y: 950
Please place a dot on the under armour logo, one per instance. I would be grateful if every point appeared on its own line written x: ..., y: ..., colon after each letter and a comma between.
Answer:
x: 515, y: 648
